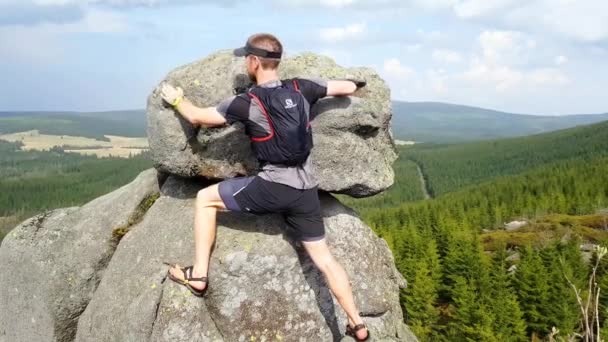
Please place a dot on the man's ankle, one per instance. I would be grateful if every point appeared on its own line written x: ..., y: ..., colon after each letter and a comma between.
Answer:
x: 199, y: 271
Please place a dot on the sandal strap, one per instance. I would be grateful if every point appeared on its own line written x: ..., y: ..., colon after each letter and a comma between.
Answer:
x: 359, y: 327
x: 352, y: 331
x: 189, y: 278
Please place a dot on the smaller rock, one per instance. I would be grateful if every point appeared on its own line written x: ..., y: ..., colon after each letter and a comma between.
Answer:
x: 514, y: 225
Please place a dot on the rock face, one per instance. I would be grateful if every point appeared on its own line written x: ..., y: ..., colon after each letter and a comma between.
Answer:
x: 262, y: 284
x: 353, y: 149
x: 50, y: 264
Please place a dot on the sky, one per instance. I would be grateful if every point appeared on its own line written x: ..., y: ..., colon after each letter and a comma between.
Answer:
x: 545, y: 57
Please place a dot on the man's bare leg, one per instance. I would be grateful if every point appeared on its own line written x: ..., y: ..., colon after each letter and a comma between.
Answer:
x: 208, y: 200
x: 337, y: 280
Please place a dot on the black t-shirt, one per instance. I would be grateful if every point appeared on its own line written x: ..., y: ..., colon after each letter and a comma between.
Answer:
x: 239, y: 108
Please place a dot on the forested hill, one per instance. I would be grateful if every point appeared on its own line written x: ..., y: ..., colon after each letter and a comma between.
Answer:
x: 442, y: 122
x: 451, y: 167
x: 470, y: 278
x: 130, y: 123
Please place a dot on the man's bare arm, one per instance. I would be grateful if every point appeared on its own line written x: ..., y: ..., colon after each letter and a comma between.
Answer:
x: 197, y: 116
x: 338, y: 88
x: 344, y: 87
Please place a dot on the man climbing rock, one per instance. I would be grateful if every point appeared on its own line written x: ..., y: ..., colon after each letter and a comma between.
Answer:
x: 276, y: 115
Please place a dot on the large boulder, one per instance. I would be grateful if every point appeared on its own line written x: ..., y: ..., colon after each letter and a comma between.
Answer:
x: 51, y: 264
x: 65, y: 275
x: 353, y: 151
x: 263, y: 286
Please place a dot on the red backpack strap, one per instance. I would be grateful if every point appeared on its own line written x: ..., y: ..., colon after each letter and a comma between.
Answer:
x: 297, y: 88
x: 295, y: 85
x: 265, y: 112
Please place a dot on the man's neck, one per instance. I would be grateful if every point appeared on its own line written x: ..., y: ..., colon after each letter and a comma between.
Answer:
x: 266, y: 76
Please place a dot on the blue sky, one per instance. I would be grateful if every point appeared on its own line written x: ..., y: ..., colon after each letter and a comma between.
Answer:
x: 535, y: 56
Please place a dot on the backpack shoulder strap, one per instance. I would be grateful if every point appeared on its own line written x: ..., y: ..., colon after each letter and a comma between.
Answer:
x: 296, y: 86
x: 255, y: 98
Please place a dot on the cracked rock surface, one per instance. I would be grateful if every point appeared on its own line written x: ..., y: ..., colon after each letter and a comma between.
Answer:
x: 50, y: 264
x: 262, y: 285
x: 69, y: 281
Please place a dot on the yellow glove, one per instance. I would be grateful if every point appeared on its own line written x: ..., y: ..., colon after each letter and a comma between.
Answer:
x: 171, y: 94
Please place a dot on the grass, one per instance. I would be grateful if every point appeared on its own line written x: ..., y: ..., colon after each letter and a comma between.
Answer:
x: 544, y: 230
x: 136, y: 217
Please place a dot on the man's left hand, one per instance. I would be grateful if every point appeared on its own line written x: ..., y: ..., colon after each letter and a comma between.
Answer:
x: 171, y: 94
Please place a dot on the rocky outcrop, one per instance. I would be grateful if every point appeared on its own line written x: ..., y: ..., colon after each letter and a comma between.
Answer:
x: 262, y: 284
x: 353, y: 150
x: 50, y: 264
x: 96, y: 272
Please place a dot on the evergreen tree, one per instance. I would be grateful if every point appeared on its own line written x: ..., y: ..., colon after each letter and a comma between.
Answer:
x: 420, y: 301
x: 508, y: 323
x: 532, y: 288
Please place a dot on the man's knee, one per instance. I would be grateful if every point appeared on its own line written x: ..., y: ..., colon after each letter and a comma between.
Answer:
x: 320, y: 254
x: 208, y: 197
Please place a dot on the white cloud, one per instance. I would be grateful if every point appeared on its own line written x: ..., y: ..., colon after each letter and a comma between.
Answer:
x: 561, y: 60
x: 34, y: 12
x: 548, y: 76
x: 446, y: 56
x: 500, y: 77
x: 337, y: 3
x: 502, y: 63
x: 429, y: 35
x: 346, y: 33
x: 395, y: 69
x: 479, y: 8
x: 584, y: 20
x: 94, y: 21
x: 412, y: 47
x: 438, y: 80
x: 505, y: 71
x: 505, y: 47
x: 44, y: 44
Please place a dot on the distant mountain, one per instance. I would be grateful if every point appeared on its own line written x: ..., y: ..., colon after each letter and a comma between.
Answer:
x: 417, y: 121
x: 443, y: 122
x: 129, y: 123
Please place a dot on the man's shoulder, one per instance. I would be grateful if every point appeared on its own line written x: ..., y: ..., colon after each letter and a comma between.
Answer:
x: 312, y: 80
x: 235, y: 106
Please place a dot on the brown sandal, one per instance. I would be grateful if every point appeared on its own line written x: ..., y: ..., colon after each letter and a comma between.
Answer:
x: 352, y: 332
x: 187, y: 279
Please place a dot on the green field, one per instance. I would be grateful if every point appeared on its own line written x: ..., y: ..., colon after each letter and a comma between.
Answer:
x: 90, y: 125
x: 32, y: 181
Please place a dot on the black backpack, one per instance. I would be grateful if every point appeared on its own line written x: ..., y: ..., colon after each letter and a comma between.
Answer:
x: 290, y: 140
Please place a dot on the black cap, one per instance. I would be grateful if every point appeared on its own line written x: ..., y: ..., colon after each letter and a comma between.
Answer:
x: 248, y: 49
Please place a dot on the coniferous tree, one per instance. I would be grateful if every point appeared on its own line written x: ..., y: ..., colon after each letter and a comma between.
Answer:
x: 508, y: 321
x: 532, y: 285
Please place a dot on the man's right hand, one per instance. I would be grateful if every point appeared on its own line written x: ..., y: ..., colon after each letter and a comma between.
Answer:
x: 358, y: 83
x: 171, y: 94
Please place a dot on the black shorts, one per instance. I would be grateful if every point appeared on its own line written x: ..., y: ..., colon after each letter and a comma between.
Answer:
x: 300, y: 208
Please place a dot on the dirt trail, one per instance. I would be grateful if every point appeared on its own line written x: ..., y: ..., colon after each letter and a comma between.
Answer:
x: 425, y: 190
